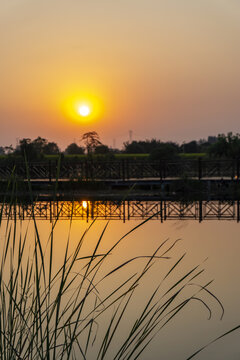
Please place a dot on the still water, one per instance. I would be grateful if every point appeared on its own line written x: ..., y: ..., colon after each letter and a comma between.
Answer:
x: 214, y: 245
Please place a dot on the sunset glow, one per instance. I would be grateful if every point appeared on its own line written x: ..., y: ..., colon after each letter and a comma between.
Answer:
x: 82, y: 108
x: 172, y: 63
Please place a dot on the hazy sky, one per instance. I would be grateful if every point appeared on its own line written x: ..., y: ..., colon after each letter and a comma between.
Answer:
x: 168, y: 69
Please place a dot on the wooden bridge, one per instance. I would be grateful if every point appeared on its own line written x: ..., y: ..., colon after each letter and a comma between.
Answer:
x: 123, y: 170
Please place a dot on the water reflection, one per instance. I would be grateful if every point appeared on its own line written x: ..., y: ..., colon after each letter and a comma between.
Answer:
x: 217, y: 240
x: 124, y: 210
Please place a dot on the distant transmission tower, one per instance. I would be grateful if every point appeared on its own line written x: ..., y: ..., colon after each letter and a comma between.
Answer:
x: 130, y: 135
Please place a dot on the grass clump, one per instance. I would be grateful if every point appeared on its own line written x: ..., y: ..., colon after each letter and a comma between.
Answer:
x: 69, y: 311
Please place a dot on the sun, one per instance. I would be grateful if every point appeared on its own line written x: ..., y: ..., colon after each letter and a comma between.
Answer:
x: 84, y: 110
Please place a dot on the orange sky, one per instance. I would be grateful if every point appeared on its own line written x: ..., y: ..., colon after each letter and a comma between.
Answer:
x: 165, y: 69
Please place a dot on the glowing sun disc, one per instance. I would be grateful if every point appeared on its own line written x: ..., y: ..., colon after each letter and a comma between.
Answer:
x: 84, y: 110
x: 84, y: 204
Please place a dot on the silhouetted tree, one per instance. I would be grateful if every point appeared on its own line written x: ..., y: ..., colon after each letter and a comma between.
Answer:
x: 91, y: 141
x: 74, y: 149
x: 26, y: 148
x: 8, y: 149
x: 101, y: 149
x: 2, y: 152
x: 39, y: 144
x: 140, y: 147
x: 135, y: 147
x: 35, y: 149
x: 51, y: 148
x: 191, y: 147
x: 226, y: 146
x: 204, y: 145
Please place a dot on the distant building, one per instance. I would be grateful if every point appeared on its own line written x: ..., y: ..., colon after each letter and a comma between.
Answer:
x: 212, y: 139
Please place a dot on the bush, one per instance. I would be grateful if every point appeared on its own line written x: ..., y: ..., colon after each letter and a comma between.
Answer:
x: 74, y: 149
x: 101, y: 149
x: 164, y: 151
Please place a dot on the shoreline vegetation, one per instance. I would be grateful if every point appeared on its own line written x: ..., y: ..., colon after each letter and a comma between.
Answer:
x: 90, y: 146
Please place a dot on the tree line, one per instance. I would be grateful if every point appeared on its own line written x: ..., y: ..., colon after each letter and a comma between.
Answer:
x: 221, y: 146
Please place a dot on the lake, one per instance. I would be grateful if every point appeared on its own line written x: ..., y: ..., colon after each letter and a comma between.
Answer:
x: 213, y: 245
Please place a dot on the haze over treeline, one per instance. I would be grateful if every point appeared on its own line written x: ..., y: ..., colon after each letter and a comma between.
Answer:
x: 90, y: 143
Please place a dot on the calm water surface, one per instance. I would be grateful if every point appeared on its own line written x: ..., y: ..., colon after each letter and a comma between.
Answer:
x: 219, y: 241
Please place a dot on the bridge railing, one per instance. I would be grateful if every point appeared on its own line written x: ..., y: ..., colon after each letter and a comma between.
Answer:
x: 124, y: 210
x: 122, y: 170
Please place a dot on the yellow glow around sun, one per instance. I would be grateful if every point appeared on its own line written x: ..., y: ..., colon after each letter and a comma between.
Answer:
x: 82, y: 108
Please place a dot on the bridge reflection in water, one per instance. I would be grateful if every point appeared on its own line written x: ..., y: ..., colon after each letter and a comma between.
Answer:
x: 124, y: 210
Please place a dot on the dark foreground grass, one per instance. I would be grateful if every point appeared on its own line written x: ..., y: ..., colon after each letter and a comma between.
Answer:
x: 61, y: 313
x: 69, y: 311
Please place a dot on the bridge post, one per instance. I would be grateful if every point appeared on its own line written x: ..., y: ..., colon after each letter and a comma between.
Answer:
x: 127, y: 169
x: 160, y: 169
x: 164, y: 167
x: 238, y: 211
x: 238, y: 168
x: 92, y: 209
x: 16, y: 169
x: 50, y: 210
x: 233, y: 169
x: 123, y: 170
x: 56, y: 170
x: 200, y: 211
x: 86, y: 170
x: 87, y: 212
x: 92, y: 175
x: 50, y: 171
x: 161, y: 210
x: 199, y: 168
